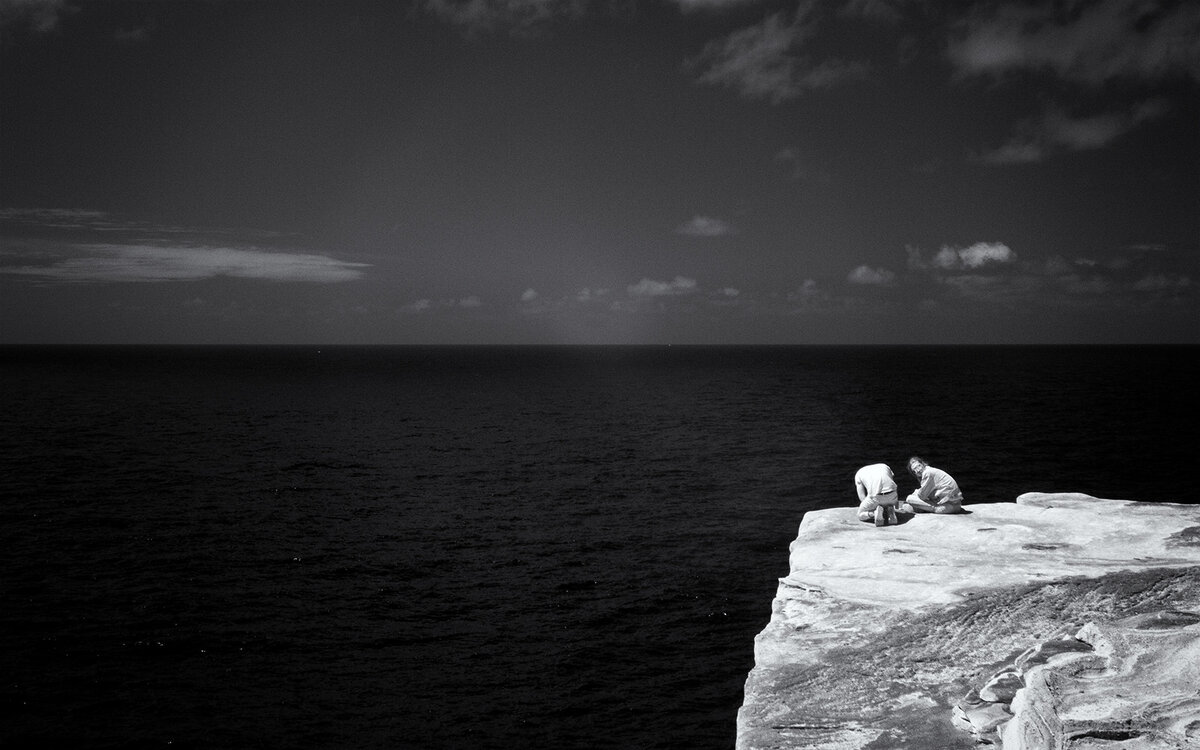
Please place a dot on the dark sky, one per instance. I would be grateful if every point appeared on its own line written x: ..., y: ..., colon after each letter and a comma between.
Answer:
x: 620, y: 171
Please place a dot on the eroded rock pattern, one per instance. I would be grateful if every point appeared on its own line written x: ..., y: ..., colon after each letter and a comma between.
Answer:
x: 957, y: 631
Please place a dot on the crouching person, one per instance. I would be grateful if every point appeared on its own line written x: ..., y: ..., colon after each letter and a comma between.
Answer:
x: 877, y: 496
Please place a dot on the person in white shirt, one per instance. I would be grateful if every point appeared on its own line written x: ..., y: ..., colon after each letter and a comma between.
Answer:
x: 877, y: 496
x: 938, y: 493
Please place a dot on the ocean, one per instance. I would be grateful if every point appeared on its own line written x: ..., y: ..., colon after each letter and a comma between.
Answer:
x: 484, y: 547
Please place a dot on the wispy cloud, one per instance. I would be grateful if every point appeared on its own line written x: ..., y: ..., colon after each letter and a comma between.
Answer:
x: 133, y: 34
x: 41, y: 16
x: 765, y: 61
x: 992, y: 273
x: 515, y: 16
x: 1056, y: 131
x: 711, y: 6
x: 1089, y: 43
x: 55, y: 218
x: 705, y: 226
x: 867, y: 276
x: 588, y: 294
x: 83, y: 245
x: 145, y: 263
x: 453, y: 303
x: 1162, y: 282
x: 887, y: 11
x: 651, y: 288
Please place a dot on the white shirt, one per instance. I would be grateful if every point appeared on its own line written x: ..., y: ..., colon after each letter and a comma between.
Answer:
x: 938, y: 487
x: 874, y: 481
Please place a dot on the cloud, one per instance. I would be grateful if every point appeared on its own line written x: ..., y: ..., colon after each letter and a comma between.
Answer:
x: 704, y: 226
x: 517, y: 16
x: 133, y: 34
x: 867, y: 276
x: 976, y: 256
x: 951, y: 258
x: 425, y: 304
x: 147, y: 263
x: 41, y: 16
x: 711, y: 6
x: 1125, y: 278
x: 1083, y: 285
x: 587, y: 294
x: 764, y: 61
x: 806, y: 291
x: 54, y: 218
x: 529, y: 295
x: 650, y: 288
x: 886, y: 11
x: 1161, y: 282
x: 1056, y: 131
x: 996, y: 287
x: 1086, y: 43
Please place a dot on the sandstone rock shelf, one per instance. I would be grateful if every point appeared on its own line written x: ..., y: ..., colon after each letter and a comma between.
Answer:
x: 1059, y: 621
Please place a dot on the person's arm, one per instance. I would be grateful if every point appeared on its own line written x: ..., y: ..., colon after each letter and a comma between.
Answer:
x: 862, y: 491
x: 928, y: 486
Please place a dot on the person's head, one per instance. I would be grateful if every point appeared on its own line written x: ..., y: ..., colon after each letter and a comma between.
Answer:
x: 916, y: 465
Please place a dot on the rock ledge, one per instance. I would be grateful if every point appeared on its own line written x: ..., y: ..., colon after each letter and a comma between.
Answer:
x: 1062, y: 621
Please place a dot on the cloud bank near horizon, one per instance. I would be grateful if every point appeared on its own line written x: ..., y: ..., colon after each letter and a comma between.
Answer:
x: 82, y: 246
x: 147, y: 263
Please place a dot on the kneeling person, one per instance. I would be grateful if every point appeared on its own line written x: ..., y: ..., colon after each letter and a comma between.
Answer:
x: 877, y: 497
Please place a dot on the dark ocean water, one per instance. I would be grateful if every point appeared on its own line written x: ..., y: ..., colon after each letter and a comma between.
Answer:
x: 486, y: 548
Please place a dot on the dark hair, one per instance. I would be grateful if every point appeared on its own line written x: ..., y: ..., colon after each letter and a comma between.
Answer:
x: 909, y: 464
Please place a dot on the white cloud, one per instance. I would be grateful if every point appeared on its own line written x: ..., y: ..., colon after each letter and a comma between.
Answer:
x: 865, y: 275
x: 729, y: 292
x: 976, y: 256
x: 764, y: 61
x: 149, y: 263
x: 650, y: 288
x: 705, y: 226
x: 1092, y: 44
x: 529, y: 295
x: 1056, y: 131
x: 471, y: 301
x: 983, y: 253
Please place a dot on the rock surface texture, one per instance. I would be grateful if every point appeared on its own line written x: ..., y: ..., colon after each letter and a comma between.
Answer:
x: 1060, y: 622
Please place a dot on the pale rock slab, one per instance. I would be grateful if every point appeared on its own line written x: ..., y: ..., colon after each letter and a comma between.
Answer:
x: 1059, y: 621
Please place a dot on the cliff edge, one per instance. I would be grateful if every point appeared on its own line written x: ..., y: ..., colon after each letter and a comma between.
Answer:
x: 1060, y: 622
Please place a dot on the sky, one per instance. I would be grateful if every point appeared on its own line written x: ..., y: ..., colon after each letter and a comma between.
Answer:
x: 599, y: 172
